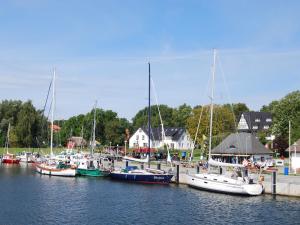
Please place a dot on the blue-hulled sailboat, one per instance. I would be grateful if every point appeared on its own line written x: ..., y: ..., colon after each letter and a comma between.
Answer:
x: 148, y: 175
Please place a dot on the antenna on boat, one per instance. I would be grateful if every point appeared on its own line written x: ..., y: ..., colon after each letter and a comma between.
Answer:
x: 212, y: 104
x: 149, y: 115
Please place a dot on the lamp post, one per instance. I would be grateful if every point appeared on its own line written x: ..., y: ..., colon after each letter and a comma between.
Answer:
x: 117, y: 150
x: 295, y: 152
x: 110, y: 147
x: 125, y: 147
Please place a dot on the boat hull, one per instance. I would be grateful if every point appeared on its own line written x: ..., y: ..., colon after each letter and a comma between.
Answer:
x: 11, y: 161
x: 222, y: 187
x: 92, y: 172
x: 143, y: 178
x: 47, y: 170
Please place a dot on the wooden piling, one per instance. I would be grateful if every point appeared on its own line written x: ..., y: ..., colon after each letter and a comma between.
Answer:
x: 177, y: 174
x: 274, y: 182
x: 158, y: 166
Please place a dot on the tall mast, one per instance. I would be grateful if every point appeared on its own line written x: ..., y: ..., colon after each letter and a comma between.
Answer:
x: 94, y: 130
x: 52, y: 112
x: 7, y: 138
x: 212, y: 104
x: 289, y: 145
x: 149, y: 116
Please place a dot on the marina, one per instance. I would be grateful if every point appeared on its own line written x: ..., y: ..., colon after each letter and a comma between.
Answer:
x: 150, y: 112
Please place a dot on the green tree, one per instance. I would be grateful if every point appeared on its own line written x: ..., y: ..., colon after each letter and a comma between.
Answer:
x: 141, y: 118
x: 285, y: 110
x: 223, y: 123
x: 181, y: 115
x: 238, y: 109
x: 28, y: 125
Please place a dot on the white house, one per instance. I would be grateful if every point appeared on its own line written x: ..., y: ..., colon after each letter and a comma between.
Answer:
x: 175, y: 138
x: 295, y: 155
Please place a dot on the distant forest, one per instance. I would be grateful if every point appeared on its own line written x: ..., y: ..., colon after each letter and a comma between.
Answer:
x: 30, y: 128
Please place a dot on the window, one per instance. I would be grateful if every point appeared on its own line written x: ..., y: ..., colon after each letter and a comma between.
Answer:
x: 137, y: 137
x: 172, y: 145
x: 266, y: 127
x: 145, y: 145
x: 255, y: 127
x: 257, y: 120
x: 143, y: 137
x: 268, y: 120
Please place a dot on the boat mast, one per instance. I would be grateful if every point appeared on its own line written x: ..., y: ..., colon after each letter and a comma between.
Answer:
x: 52, y: 113
x: 149, y: 116
x: 289, y: 145
x: 7, y: 138
x: 212, y: 104
x: 94, y: 130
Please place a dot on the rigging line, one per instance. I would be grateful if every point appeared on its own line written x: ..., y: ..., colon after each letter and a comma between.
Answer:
x: 199, y: 121
x: 230, y: 100
x: 160, y: 117
x: 47, y: 96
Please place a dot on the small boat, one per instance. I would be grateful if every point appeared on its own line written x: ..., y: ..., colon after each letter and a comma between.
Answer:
x: 60, y: 169
x: 26, y: 157
x: 224, y: 180
x: 8, y: 157
x: 51, y: 167
x: 233, y: 182
x: 146, y: 176
x: 91, y: 168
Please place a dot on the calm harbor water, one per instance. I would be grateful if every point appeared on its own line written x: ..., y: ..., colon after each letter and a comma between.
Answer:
x: 30, y: 198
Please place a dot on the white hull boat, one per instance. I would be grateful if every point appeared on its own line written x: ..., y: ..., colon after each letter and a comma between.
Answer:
x: 53, y: 170
x: 224, y: 184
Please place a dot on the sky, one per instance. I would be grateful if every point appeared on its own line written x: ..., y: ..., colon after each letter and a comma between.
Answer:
x: 101, y: 50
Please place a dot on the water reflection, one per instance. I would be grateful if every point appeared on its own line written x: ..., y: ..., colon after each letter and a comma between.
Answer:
x: 31, y: 198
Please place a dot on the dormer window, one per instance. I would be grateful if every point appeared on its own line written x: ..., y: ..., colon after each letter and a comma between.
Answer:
x: 268, y: 120
x: 255, y: 127
x: 257, y: 120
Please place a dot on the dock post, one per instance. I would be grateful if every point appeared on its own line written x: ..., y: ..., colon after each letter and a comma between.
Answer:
x: 126, y: 163
x: 142, y: 166
x: 177, y: 173
x: 274, y: 182
x: 158, y: 166
x: 198, y: 169
x: 113, y: 163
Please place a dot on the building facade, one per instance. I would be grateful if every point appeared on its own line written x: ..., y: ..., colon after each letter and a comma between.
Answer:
x: 175, y: 138
x: 254, y: 121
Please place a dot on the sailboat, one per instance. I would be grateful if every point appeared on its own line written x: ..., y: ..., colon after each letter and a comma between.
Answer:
x: 224, y: 181
x: 148, y: 175
x: 51, y: 166
x: 8, y: 157
x: 90, y: 166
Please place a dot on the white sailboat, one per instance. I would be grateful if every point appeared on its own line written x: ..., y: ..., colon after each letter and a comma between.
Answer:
x: 223, y: 180
x: 52, y: 167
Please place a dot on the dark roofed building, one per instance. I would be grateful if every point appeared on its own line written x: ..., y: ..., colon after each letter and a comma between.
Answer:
x: 241, y: 144
x: 254, y: 121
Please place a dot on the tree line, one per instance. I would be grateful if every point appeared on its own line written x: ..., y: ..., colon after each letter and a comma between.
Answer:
x: 30, y: 128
